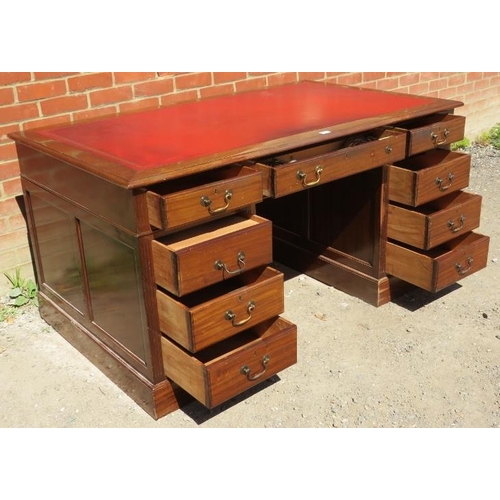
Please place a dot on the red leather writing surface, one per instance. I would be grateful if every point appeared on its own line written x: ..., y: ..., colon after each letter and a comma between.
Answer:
x: 174, y: 134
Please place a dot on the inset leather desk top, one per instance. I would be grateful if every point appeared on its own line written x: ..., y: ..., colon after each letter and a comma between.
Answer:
x: 154, y: 145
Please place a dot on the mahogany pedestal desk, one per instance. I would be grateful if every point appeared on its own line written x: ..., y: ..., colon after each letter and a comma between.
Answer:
x: 154, y: 233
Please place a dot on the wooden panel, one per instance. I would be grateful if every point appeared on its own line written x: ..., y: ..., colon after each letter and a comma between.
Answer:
x: 303, y: 168
x: 201, y: 198
x: 436, y: 222
x: 204, y: 318
x: 208, y: 254
x: 215, y: 374
x: 428, y: 176
x: 436, y: 269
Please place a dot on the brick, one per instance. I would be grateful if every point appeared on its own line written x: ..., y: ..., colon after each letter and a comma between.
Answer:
x: 135, y: 77
x: 3, y: 225
x: 35, y: 91
x: 9, y: 169
x: 14, y: 239
x: 258, y: 73
x: 193, y: 80
x: 12, y: 187
x: 350, y: 79
x: 6, y: 96
x: 438, y: 84
x: 419, y: 88
x: 17, y: 222
x: 11, y: 78
x: 282, y: 78
x: 458, y: 79
x: 474, y: 76
x: 108, y: 96
x: 389, y: 84
x: 50, y: 75
x: 151, y: 102
x: 59, y: 105
x: 448, y: 93
x: 154, y: 87
x: 177, y: 97
x: 409, y: 79
x: 47, y: 122
x: 81, y: 83
x: 8, y: 129
x: 8, y: 207
x: 8, y: 151
x: 311, y: 76
x: 251, y: 84
x: 217, y: 90
x: 95, y: 113
x: 8, y: 263
x: 225, y: 77
x: 369, y: 77
x: 18, y: 112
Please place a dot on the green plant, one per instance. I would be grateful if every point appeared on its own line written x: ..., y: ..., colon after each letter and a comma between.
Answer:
x: 463, y: 144
x: 490, y: 138
x: 23, y: 291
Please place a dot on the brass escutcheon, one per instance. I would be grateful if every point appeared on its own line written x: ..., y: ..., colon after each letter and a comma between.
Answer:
x: 452, y: 227
x: 220, y: 266
x: 301, y: 175
x: 207, y: 202
x: 245, y: 370
x: 230, y: 316
x: 435, y: 137
x: 460, y: 269
x: 439, y: 182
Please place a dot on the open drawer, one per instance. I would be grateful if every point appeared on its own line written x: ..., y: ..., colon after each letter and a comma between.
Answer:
x: 303, y: 168
x: 428, y: 176
x: 228, y: 368
x: 433, y: 131
x: 435, y: 222
x: 433, y: 270
x: 222, y: 310
x: 192, y: 259
x: 203, y: 197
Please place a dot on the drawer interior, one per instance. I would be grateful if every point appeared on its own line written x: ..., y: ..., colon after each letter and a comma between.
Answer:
x: 429, y: 159
x: 300, y: 154
x: 199, y: 180
x: 451, y: 200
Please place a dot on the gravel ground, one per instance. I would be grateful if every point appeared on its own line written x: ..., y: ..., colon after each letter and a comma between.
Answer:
x: 422, y: 361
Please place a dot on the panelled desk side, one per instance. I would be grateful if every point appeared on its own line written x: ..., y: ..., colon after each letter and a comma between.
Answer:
x: 107, y: 200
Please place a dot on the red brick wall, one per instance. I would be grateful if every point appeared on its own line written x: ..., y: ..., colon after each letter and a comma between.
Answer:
x: 29, y: 100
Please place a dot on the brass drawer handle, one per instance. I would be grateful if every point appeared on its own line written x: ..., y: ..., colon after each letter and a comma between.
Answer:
x: 435, y: 137
x: 302, y: 176
x: 461, y: 270
x: 452, y: 227
x: 230, y: 316
x: 439, y: 182
x: 245, y: 370
x: 207, y: 202
x: 219, y: 264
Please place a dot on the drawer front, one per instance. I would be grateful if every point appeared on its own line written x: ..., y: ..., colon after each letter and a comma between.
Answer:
x: 428, y: 176
x: 198, y: 257
x: 304, y: 168
x: 436, y: 222
x: 439, y: 268
x: 232, y: 366
x: 434, y: 131
x: 223, y: 310
x: 203, y: 197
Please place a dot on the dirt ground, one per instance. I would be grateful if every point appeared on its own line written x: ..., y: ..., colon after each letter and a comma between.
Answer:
x: 423, y: 361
